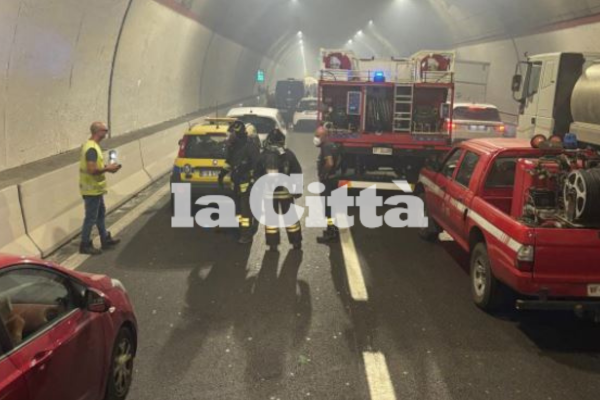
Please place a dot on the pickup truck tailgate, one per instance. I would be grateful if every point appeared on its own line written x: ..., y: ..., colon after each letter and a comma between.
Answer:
x: 567, y: 256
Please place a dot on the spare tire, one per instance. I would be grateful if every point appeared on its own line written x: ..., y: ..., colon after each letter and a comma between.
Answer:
x: 581, y: 195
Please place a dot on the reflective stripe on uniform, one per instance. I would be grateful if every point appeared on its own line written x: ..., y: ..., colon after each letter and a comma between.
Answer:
x: 245, y: 222
x: 293, y: 228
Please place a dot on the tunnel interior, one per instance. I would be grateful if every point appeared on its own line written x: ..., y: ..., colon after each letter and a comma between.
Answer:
x: 139, y: 63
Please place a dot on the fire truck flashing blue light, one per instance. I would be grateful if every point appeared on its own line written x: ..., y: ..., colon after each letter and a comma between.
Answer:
x: 379, y: 76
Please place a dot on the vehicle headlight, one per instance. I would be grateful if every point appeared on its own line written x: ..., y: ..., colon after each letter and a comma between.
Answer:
x: 187, y: 169
x: 118, y: 284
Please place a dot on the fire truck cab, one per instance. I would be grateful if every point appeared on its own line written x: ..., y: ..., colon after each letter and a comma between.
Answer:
x: 389, y: 116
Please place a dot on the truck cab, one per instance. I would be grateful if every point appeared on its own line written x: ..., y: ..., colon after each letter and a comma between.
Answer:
x: 551, y: 89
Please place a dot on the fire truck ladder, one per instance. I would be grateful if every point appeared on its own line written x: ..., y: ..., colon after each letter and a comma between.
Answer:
x: 403, y: 103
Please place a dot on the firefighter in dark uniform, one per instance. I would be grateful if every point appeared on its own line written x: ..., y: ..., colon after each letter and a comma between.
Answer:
x: 326, y: 166
x: 275, y: 158
x: 242, y: 156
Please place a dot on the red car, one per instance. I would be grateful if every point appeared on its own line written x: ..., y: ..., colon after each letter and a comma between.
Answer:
x: 63, y: 334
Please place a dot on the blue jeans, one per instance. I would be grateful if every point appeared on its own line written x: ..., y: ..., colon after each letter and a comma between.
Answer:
x: 95, y: 214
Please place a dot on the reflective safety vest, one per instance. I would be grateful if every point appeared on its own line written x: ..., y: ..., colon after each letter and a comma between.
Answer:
x: 91, y: 185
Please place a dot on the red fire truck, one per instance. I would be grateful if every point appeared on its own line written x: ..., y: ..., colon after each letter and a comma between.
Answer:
x: 387, y: 117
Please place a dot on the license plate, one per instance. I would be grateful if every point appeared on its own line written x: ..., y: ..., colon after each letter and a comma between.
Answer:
x: 382, y: 151
x: 209, y: 174
x: 594, y: 290
x: 477, y: 128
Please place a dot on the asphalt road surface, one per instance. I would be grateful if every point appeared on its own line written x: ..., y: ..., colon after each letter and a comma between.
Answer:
x: 220, y: 320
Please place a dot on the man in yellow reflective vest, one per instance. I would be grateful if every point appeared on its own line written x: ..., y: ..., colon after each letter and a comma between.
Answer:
x: 92, y: 185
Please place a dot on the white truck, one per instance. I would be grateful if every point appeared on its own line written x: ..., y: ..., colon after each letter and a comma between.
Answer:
x: 559, y: 93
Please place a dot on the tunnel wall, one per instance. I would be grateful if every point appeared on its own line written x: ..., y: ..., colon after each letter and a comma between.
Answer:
x: 504, y: 54
x: 56, y: 59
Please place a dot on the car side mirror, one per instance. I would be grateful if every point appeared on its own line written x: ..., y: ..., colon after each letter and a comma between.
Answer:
x: 96, y: 301
x: 517, y: 80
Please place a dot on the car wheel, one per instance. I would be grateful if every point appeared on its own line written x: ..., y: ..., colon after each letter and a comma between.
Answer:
x: 121, y: 367
x: 488, y: 292
x: 432, y: 231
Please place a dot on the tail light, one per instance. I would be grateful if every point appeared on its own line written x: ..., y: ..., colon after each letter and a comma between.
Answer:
x: 182, y: 145
x: 501, y: 128
x: 447, y: 125
x: 525, y: 257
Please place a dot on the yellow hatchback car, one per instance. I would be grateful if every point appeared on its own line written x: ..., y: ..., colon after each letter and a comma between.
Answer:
x: 201, y: 157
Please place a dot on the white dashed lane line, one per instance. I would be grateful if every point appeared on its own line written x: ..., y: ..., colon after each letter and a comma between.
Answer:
x: 378, y: 376
x: 356, y: 280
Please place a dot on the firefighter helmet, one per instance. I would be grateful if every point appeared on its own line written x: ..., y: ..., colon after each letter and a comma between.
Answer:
x: 238, y: 129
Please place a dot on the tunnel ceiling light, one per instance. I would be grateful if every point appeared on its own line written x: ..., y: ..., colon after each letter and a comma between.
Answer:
x: 299, y: 33
x: 359, y: 33
x: 350, y: 41
x: 371, y: 22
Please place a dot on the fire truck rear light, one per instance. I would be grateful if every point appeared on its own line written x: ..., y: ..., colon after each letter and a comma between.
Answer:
x: 447, y: 126
x: 500, y: 128
x: 525, y: 257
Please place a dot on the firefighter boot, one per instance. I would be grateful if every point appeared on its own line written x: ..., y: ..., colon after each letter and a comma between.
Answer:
x: 331, y: 235
x: 245, y: 237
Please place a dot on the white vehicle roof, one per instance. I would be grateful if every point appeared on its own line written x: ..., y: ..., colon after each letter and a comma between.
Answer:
x: 260, y: 111
x: 309, y: 99
x: 478, y: 105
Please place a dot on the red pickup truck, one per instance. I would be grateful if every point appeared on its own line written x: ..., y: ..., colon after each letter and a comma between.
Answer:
x: 529, y: 217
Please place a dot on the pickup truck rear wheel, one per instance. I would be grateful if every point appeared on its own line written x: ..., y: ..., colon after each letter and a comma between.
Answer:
x: 431, y: 232
x: 488, y: 293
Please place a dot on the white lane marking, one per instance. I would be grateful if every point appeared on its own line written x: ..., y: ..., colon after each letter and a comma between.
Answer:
x: 75, y: 260
x: 356, y: 280
x: 378, y: 376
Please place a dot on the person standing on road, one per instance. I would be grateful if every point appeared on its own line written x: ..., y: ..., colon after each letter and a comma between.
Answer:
x: 326, y: 165
x: 276, y: 159
x: 240, y: 163
x: 93, y: 187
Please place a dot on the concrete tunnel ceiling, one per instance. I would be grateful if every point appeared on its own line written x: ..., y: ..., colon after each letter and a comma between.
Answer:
x: 409, y: 25
x: 140, y: 63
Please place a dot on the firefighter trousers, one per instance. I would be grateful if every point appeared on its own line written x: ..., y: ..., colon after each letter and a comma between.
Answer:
x: 294, y: 232
x: 244, y: 211
x: 330, y: 186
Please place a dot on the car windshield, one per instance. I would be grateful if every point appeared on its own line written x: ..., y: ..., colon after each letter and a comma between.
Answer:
x: 307, y: 105
x: 477, y: 114
x: 211, y: 145
x: 262, y: 124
